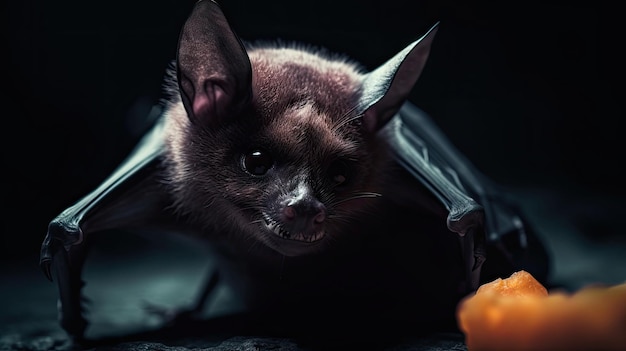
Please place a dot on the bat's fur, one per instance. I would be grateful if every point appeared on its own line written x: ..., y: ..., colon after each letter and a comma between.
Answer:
x: 302, y: 114
x: 381, y: 232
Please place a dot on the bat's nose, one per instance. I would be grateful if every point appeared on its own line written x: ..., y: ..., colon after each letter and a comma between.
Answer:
x: 306, y: 216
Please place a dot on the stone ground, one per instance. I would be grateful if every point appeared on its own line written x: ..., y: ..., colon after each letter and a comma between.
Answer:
x: 584, y: 238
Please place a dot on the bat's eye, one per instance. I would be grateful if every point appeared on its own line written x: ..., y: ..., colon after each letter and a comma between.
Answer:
x: 339, y: 173
x: 257, y: 162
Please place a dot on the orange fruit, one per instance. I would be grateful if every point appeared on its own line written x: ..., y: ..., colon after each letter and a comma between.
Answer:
x: 518, y: 313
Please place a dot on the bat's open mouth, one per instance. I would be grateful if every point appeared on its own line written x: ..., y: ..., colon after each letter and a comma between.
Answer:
x: 277, y: 229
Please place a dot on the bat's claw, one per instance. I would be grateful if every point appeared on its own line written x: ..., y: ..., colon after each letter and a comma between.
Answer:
x: 61, y: 233
x: 46, y: 267
x: 48, y: 249
x: 60, y: 258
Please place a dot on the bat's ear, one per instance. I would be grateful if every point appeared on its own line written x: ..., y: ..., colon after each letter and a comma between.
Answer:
x: 386, y: 88
x: 213, y: 69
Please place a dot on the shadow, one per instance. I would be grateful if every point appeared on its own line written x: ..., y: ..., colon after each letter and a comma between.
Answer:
x: 241, y: 328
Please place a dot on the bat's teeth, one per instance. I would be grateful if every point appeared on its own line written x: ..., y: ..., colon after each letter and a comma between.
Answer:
x: 273, y: 226
x: 317, y: 236
x: 277, y: 229
x: 308, y: 238
x: 281, y: 232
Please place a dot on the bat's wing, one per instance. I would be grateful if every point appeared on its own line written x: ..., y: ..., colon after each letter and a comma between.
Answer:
x: 491, y: 227
x: 478, y: 212
x: 129, y: 197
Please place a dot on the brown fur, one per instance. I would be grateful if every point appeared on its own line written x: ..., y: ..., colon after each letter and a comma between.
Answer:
x: 302, y: 112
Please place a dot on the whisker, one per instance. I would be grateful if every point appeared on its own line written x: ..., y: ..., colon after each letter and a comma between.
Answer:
x: 358, y: 196
x: 257, y: 221
x: 346, y: 118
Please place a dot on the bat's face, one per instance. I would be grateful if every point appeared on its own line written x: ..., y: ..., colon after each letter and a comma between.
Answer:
x: 294, y: 169
x: 277, y: 144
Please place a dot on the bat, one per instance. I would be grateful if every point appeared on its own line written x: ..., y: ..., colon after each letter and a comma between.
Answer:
x: 329, y: 195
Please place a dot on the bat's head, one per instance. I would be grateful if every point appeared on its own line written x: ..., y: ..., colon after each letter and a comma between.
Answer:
x: 278, y: 144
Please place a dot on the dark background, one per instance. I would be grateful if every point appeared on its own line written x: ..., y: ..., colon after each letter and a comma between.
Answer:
x: 526, y: 90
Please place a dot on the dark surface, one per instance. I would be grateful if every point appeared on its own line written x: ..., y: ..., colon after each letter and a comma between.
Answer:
x: 121, y: 281
x: 528, y: 93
